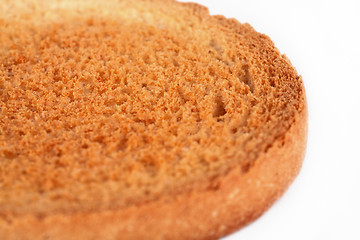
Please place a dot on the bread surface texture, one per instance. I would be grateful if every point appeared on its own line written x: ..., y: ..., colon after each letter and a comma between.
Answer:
x: 144, y: 119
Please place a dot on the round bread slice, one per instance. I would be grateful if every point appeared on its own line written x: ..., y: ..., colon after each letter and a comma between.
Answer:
x: 141, y: 120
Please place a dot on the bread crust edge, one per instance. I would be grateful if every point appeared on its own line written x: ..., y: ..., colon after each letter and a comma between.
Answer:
x: 238, y: 199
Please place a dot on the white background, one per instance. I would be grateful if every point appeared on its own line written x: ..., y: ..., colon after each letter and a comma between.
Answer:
x: 322, y: 40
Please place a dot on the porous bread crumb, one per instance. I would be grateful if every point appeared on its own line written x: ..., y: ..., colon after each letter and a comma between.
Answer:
x: 108, y: 107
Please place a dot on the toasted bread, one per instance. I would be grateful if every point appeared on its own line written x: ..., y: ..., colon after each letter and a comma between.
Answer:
x: 141, y: 120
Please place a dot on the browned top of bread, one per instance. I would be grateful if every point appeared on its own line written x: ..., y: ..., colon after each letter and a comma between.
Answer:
x: 107, y: 104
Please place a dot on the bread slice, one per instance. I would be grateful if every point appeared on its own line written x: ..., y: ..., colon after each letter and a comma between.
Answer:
x: 142, y: 119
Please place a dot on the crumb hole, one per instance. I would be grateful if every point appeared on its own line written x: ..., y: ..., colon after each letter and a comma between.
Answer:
x: 219, y: 109
x: 234, y: 130
x: 99, y: 139
x: 212, y: 71
x: 246, y: 78
x: 146, y: 59
x: 214, y: 44
x: 272, y: 83
x: 175, y: 62
x: 121, y: 146
x: 245, y: 168
x: 9, y: 154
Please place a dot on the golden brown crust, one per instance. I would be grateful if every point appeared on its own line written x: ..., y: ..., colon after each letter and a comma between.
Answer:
x: 234, y: 199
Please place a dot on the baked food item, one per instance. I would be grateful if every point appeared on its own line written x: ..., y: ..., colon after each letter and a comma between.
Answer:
x: 141, y: 120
